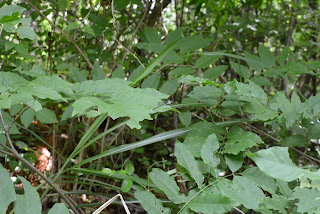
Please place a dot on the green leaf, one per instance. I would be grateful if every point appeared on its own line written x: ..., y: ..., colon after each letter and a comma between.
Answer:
x: 215, y: 72
x: 314, y: 132
x: 276, y: 163
x: 129, y: 168
x: 212, y: 203
x: 8, y: 10
x: 29, y: 203
x: 186, y: 160
x: 166, y: 184
x: 191, y: 43
x: 296, y: 68
x: 40, y: 91
x: 89, y: 30
x: 251, y: 90
x: 254, y: 62
x: 260, y: 179
x: 146, y: 71
x: 308, y: 199
x: 169, y: 87
x: 46, y: 116
x: 277, y: 202
x: 266, y: 56
x: 62, y: 4
x: 208, y: 149
x: 150, y: 203
x: 118, y: 73
x: 126, y: 185
x: 205, y: 61
x: 25, y: 32
x: 151, y: 35
x: 283, y: 55
x: 207, y: 94
x: 234, y: 162
x: 27, y: 117
x: 241, y: 70
x: 128, y: 147
x: 290, y: 110
x: 240, y: 142
x: 59, y: 208
x: 97, y: 72
x: 35, y: 72
x: 261, y: 81
x: 7, y: 192
x: 119, y: 5
x: 72, y: 26
x: 242, y: 190
x: 185, y: 118
x: 295, y: 141
x: 151, y: 81
x: 179, y: 71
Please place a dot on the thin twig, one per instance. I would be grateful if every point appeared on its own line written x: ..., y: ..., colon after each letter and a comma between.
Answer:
x: 135, y: 32
x: 6, y: 131
x: 15, y: 154
x: 6, y: 153
x: 14, y: 120
x: 114, y: 25
x: 63, y: 33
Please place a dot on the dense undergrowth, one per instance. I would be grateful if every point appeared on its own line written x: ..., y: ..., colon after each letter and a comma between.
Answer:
x: 204, y: 118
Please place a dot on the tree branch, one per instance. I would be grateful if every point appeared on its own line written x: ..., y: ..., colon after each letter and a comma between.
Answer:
x: 63, y: 33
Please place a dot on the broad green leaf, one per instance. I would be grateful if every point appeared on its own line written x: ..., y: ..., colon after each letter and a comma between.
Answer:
x: 25, y: 32
x: 242, y: 190
x: 215, y: 72
x: 251, y: 90
x: 72, y: 26
x: 290, y: 110
x: 129, y: 168
x: 150, y: 203
x: 284, y: 188
x: 10, y: 81
x: 169, y: 87
x: 266, y: 56
x: 126, y: 185
x: 97, y: 72
x: 197, y: 137
x: 89, y: 30
x: 8, y: 10
x: 267, y: 115
x: 181, y: 71
x: 207, y: 94
x: 35, y: 72
x: 186, y: 160
x: 89, y: 106
x: 277, y: 202
x: 241, y: 70
x: 185, y: 118
x: 46, y: 116
x: 308, y: 107
x: 191, y: 43
x: 208, y: 149
x: 151, y: 35
x: 27, y: 117
x: 152, y: 81
x: 295, y: 141
x: 296, y: 68
x: 276, y: 163
x: 166, y: 184
x: 59, y: 208
x: 172, y: 36
x: 260, y: 179
x: 212, y: 203
x: 62, y: 4
x: 234, y: 162
x: 29, y: 203
x: 314, y: 132
x: 77, y: 75
x: 8, y: 120
x: 255, y: 62
x: 283, y: 55
x: 309, y: 199
x: 7, y: 192
x: 240, y: 142
x: 118, y: 73
x: 205, y: 61
x: 119, y: 5
x: 40, y: 91
x: 261, y: 81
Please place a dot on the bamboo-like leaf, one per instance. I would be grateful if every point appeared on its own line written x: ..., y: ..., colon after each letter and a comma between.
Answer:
x: 127, y: 147
x: 145, y: 72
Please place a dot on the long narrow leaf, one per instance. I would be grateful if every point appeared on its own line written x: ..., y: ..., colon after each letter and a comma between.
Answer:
x: 145, y: 72
x: 127, y: 147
